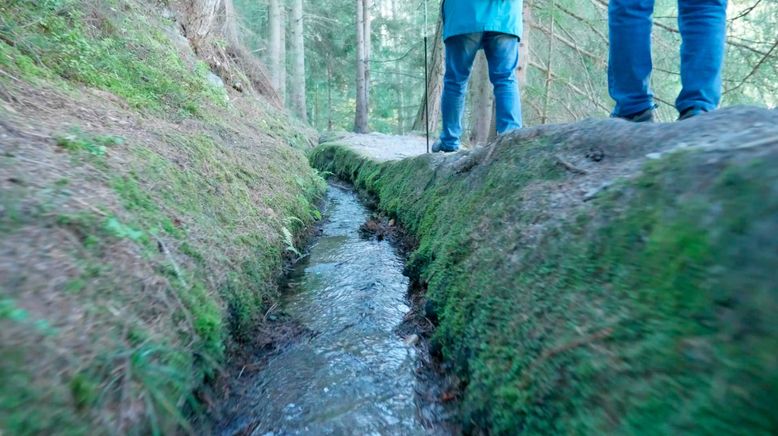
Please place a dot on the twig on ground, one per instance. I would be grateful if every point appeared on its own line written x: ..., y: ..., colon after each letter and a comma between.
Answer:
x: 269, y: 311
x: 570, y: 167
x: 594, y: 193
x: 36, y: 162
x: 10, y: 76
x: 172, y: 261
x: 89, y: 206
x: 596, y: 336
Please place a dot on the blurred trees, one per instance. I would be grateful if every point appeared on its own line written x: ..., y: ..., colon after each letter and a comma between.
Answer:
x: 563, y: 70
x: 363, y: 68
x: 297, y: 90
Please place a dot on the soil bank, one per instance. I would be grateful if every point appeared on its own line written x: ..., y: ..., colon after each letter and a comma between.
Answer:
x: 146, y: 206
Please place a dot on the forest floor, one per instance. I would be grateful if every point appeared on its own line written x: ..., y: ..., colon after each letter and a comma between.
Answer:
x: 146, y: 209
x: 599, y: 276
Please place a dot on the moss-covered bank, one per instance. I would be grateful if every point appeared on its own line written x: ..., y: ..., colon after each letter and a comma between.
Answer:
x: 581, y: 287
x: 145, y: 211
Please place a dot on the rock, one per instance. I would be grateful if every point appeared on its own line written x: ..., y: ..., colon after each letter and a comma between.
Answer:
x: 215, y: 80
x: 430, y: 312
x: 412, y: 340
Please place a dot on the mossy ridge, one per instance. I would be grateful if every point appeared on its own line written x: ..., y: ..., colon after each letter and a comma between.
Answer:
x: 176, y: 221
x: 629, y: 317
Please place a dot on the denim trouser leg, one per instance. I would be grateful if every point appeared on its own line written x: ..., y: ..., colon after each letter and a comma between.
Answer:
x: 703, y: 30
x: 460, y: 54
x: 502, y: 54
x: 629, y: 63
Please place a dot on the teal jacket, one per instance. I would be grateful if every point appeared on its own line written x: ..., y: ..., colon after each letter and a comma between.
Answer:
x: 472, y: 16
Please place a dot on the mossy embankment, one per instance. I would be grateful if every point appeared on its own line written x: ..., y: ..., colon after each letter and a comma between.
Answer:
x: 145, y: 212
x: 601, y: 277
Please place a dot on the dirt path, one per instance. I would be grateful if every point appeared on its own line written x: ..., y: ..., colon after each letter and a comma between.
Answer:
x: 382, y: 147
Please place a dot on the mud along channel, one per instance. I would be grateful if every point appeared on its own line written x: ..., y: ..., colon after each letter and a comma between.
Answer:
x: 353, y: 374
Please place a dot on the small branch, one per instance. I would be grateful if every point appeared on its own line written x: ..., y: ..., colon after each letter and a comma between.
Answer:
x: 575, y: 88
x: 172, y: 261
x: 597, y: 59
x: 745, y: 12
x: 570, y: 167
x: 10, y: 76
x: 583, y: 64
x: 586, y: 22
x: 548, y: 354
x: 35, y: 162
x: 756, y: 67
x: 89, y: 206
x: 269, y: 311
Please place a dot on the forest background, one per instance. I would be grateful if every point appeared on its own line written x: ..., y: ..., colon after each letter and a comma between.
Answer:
x: 328, y: 57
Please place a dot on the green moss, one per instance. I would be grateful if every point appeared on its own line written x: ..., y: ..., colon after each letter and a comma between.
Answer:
x: 75, y: 286
x: 78, y: 141
x: 649, y: 312
x: 216, y: 187
x: 84, y: 390
x: 117, y: 52
x: 19, y: 390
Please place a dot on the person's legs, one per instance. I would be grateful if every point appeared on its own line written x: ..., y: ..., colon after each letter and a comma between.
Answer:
x: 629, y: 63
x: 502, y: 54
x: 703, y: 31
x: 460, y: 54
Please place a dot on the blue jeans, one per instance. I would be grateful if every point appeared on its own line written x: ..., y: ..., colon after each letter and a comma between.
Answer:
x: 502, y: 55
x: 703, y: 31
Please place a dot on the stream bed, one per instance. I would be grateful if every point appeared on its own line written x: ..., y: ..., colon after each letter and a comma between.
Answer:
x: 354, y: 374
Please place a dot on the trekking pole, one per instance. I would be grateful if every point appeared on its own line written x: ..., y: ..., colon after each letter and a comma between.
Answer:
x: 426, y: 80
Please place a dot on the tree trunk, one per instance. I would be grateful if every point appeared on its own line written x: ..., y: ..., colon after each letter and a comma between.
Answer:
x: 493, y: 125
x: 316, y: 113
x: 283, y: 78
x: 230, y: 27
x: 298, y: 63
x: 400, y: 105
x: 524, y: 59
x: 329, y: 96
x: 481, y: 100
x: 434, y: 84
x: 275, y: 59
x: 400, y: 87
x: 360, y: 117
x: 368, y: 49
x: 549, y: 70
x: 201, y: 15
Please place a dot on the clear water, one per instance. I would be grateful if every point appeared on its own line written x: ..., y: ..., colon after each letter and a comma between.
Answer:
x: 355, y: 375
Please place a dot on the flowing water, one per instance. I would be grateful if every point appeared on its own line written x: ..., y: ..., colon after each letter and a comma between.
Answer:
x: 354, y: 374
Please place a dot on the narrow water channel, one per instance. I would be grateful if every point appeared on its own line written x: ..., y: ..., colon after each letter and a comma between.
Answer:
x: 354, y: 374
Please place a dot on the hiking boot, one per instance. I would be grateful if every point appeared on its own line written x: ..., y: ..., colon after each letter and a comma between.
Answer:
x: 646, y: 116
x: 690, y: 113
x: 437, y: 147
